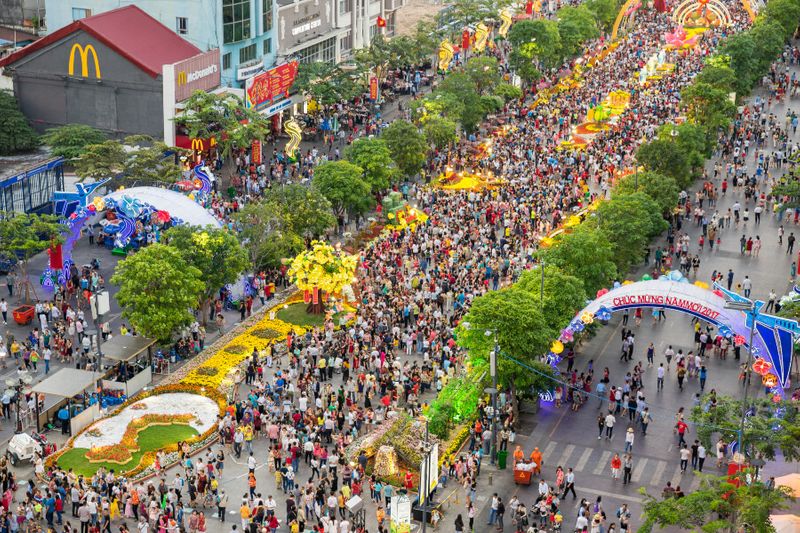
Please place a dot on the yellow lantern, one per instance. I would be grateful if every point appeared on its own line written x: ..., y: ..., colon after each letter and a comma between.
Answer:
x: 770, y: 380
x: 557, y: 347
x: 587, y: 317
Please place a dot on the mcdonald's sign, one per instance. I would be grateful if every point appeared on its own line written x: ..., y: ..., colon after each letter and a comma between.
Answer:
x: 181, y: 78
x: 83, y: 56
x: 197, y: 145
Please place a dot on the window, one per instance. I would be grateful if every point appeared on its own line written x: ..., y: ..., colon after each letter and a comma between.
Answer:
x: 226, y: 61
x: 80, y: 13
x: 324, y: 51
x: 248, y: 53
x: 182, y: 25
x: 346, y: 42
x: 373, y: 29
x: 235, y: 20
x: 266, y: 6
x: 345, y: 6
x: 267, y: 46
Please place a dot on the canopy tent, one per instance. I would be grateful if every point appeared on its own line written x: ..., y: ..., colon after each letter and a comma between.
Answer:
x: 67, y: 382
x: 785, y: 523
x: 176, y: 204
x: 791, y: 481
x: 126, y: 347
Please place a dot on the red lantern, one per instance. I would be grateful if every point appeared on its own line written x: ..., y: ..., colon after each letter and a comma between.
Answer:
x: 601, y: 292
x: 776, y: 398
x: 761, y: 366
x: 738, y: 340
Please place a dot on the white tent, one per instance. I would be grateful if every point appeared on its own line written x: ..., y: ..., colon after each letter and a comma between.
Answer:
x: 176, y: 204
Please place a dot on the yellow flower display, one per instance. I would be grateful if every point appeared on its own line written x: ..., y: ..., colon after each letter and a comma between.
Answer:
x: 323, y: 267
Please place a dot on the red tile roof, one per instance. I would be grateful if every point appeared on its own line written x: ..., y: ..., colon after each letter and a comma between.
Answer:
x: 129, y: 31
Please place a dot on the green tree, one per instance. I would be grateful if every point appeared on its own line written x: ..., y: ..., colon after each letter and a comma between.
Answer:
x: 694, y: 140
x: 267, y: 233
x: 768, y: 37
x: 157, y: 290
x: 576, y: 25
x: 784, y: 12
x: 341, y: 182
x: 564, y: 294
x: 720, y: 76
x: 440, y: 132
x: 717, y: 505
x: 586, y: 254
x: 508, y: 92
x: 16, y: 135
x: 462, y: 89
x: 71, y: 140
x: 514, y: 317
x: 215, y: 252
x: 741, y: 51
x: 23, y: 236
x: 137, y: 157
x: 327, y: 83
x: 484, y: 73
x: 373, y: 156
x: 662, y: 189
x: 537, y: 39
x: 708, y: 106
x: 665, y: 157
x: 310, y: 213
x: 524, y: 65
x: 224, y: 118
x: 629, y: 221
x: 604, y: 11
x: 765, y: 432
x: 407, y: 146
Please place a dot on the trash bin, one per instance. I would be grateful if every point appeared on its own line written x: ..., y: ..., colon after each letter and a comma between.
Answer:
x: 502, y: 458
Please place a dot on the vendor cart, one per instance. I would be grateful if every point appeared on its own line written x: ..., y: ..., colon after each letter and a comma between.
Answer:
x: 522, y: 477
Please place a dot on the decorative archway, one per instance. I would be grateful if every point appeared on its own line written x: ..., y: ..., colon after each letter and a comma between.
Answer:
x: 702, y: 13
x: 773, y: 337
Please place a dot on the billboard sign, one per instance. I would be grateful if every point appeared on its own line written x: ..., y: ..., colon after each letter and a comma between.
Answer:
x: 263, y: 90
x: 428, y: 473
x: 198, y: 73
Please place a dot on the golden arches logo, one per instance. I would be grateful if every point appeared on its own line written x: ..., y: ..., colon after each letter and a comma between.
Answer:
x: 505, y: 17
x: 197, y: 145
x: 83, y: 54
x: 481, y: 36
x: 181, y: 78
x: 446, y: 53
x: 295, y: 135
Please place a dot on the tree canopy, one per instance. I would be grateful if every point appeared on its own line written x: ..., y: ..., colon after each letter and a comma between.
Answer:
x: 157, y: 290
x: 586, y: 254
x: 662, y: 189
x: 137, y: 157
x: 267, y: 234
x: 310, y: 213
x: 564, y: 294
x: 16, y: 135
x: 25, y: 235
x: 666, y: 157
x: 373, y: 156
x: 71, y: 140
x: 342, y: 183
x: 327, y: 83
x: 407, y: 146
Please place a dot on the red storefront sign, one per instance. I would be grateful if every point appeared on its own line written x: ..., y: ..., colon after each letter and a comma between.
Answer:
x: 255, y: 153
x: 264, y: 89
x: 373, y: 88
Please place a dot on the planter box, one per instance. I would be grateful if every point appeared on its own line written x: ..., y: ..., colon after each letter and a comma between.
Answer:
x: 23, y: 314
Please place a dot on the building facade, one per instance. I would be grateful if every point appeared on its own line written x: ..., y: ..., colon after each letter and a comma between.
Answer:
x: 243, y: 30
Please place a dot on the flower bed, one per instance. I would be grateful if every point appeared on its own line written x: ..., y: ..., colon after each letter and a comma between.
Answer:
x: 122, y: 452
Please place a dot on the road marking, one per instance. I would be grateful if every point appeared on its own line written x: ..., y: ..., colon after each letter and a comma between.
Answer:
x: 638, y: 470
x: 565, y: 456
x: 583, y: 460
x: 614, y: 495
x: 660, y: 467
x: 676, y: 478
x: 548, y: 450
x: 601, y: 464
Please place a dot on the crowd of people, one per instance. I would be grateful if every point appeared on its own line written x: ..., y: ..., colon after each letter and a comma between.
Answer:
x: 309, y: 402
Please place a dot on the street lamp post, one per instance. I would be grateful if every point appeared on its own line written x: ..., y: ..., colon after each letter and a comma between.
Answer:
x: 750, y: 309
x: 18, y: 385
x: 493, y: 391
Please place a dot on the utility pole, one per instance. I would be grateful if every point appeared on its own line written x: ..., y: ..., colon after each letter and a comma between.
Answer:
x: 493, y: 372
x: 751, y: 310
x: 425, y: 483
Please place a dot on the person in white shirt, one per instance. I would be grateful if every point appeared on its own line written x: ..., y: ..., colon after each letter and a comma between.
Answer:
x: 660, y: 373
x: 701, y: 457
x: 610, y: 421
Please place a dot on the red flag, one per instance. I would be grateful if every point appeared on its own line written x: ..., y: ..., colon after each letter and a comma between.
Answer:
x: 465, y: 38
x: 529, y: 8
x: 381, y: 22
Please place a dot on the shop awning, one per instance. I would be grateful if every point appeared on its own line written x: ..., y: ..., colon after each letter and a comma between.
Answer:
x: 125, y: 347
x: 67, y: 382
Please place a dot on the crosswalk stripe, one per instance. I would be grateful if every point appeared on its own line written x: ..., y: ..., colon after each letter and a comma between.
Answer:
x: 638, y: 470
x: 677, y: 477
x: 548, y: 450
x: 602, y: 463
x: 565, y: 456
x: 583, y: 460
x: 660, y: 467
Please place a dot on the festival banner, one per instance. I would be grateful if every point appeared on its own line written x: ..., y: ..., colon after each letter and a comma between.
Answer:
x: 255, y: 152
x: 373, y: 88
x: 263, y: 90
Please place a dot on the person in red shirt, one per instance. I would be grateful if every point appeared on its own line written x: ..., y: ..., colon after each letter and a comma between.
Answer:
x: 681, y: 428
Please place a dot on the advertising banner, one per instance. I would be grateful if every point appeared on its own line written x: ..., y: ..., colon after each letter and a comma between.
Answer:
x: 255, y: 156
x: 400, y: 514
x: 263, y: 90
x: 373, y: 88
